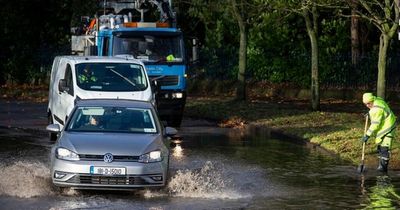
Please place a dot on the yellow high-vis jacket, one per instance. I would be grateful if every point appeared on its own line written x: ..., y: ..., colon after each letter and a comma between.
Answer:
x: 383, y: 121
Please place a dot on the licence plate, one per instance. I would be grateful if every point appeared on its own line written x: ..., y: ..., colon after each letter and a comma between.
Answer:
x: 107, y: 170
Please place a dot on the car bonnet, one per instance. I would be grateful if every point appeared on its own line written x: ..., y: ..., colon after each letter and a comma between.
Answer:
x: 114, y: 143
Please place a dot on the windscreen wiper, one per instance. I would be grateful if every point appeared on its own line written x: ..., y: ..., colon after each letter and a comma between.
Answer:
x: 123, y: 77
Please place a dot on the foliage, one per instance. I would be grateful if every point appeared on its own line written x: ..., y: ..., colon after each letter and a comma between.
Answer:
x: 30, y: 38
x: 278, y: 49
x: 220, y: 38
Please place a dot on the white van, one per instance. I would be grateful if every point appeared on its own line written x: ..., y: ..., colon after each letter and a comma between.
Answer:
x: 77, y: 77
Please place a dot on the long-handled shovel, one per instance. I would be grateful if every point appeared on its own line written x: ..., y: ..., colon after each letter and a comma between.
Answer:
x: 360, y: 168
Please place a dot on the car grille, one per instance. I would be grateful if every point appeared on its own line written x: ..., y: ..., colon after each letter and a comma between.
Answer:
x: 166, y: 80
x: 108, y: 180
x: 117, y: 158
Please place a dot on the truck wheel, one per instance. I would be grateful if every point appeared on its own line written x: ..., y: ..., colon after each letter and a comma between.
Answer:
x: 52, y: 136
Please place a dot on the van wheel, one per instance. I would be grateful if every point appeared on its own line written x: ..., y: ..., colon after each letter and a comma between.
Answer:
x: 52, y: 136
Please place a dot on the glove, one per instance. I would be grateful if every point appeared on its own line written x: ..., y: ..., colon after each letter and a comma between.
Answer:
x: 365, y: 138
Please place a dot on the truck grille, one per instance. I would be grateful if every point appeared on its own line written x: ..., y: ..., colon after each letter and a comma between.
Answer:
x: 166, y: 80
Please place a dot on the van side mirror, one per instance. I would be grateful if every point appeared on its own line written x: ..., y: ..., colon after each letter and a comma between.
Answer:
x: 62, y: 86
x: 155, y: 87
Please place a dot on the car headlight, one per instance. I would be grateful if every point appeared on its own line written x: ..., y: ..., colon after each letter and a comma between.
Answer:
x: 65, y: 154
x: 151, y: 157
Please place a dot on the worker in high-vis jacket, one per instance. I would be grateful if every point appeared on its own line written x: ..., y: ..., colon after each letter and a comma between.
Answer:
x: 383, y: 123
x: 87, y: 76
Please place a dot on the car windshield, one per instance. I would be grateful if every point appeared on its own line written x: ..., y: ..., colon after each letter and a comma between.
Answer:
x: 112, y: 119
x: 157, y: 48
x: 111, y: 77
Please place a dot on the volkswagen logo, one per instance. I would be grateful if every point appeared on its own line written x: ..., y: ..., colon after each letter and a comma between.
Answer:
x: 108, y: 158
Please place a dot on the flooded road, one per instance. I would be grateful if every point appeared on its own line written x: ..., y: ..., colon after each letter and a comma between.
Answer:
x: 211, y: 168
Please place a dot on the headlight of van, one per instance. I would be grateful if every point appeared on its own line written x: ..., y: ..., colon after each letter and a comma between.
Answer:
x: 65, y: 154
x: 151, y: 157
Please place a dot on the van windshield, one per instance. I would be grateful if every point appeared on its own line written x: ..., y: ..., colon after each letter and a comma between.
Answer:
x: 150, y: 48
x: 111, y: 77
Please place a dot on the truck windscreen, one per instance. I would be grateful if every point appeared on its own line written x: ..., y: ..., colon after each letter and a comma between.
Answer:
x: 110, y: 77
x: 150, y: 48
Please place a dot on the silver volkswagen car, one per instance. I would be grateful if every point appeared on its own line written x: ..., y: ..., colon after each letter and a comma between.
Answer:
x: 111, y: 144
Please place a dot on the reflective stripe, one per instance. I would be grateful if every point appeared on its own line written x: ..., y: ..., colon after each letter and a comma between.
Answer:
x: 375, y: 122
x: 387, y: 112
x: 385, y: 131
x: 379, y: 106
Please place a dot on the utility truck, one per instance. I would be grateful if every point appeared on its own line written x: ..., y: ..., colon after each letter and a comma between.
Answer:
x: 121, y: 28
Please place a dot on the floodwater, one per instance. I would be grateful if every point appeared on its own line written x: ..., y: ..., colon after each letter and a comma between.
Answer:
x: 211, y: 168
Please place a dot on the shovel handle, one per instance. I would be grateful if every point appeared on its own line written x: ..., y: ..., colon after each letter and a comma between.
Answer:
x: 366, y: 124
x: 365, y: 132
x: 363, y: 151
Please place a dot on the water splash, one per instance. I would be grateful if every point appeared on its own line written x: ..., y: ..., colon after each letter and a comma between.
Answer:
x: 208, y: 182
x: 25, y: 179
x: 69, y: 192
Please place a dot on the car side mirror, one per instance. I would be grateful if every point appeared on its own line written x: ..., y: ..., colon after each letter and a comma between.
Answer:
x: 62, y: 86
x: 170, y: 131
x: 53, y: 128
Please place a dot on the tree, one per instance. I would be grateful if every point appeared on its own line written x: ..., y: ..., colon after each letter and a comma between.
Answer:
x: 239, y: 15
x: 310, y: 15
x: 385, y: 16
x: 309, y: 10
x: 355, y: 35
x: 244, y: 13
